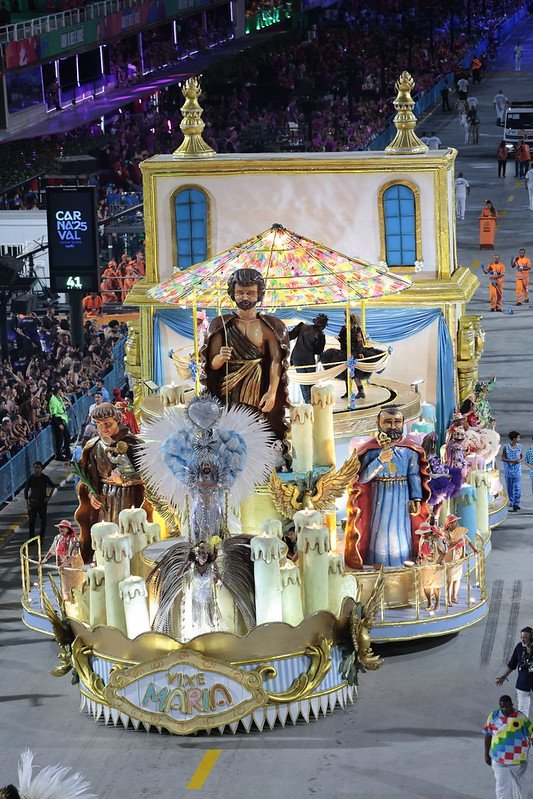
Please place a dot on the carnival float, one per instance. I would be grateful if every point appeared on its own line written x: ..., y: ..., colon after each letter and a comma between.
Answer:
x: 240, y: 554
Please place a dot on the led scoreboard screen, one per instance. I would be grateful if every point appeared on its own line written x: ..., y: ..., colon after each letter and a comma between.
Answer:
x: 72, y: 237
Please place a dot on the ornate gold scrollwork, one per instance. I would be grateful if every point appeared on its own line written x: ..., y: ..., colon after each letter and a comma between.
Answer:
x: 470, y: 343
x: 81, y: 665
x: 362, y: 619
x: 133, y: 361
x: 304, y: 685
x: 61, y: 629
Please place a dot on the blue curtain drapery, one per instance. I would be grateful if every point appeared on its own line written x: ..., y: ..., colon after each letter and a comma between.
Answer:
x: 382, y: 324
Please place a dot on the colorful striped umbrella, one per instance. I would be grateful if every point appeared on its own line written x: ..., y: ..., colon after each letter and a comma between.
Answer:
x: 298, y: 272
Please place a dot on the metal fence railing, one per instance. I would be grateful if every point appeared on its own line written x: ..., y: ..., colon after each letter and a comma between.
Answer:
x: 14, y: 473
x: 51, y: 22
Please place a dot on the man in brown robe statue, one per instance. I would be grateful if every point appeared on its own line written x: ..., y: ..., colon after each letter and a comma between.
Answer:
x: 246, y: 355
x: 114, y: 491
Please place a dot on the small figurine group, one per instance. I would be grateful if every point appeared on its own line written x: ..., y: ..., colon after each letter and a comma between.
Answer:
x: 441, y: 551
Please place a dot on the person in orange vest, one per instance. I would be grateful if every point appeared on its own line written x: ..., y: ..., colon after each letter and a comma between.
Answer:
x: 495, y: 271
x: 503, y: 155
x: 522, y: 264
x: 92, y: 304
x: 110, y: 274
x: 105, y: 292
x: 128, y: 283
x: 140, y: 264
x: 476, y: 67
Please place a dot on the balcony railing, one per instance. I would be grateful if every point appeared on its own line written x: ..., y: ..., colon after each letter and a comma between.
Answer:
x: 52, y: 22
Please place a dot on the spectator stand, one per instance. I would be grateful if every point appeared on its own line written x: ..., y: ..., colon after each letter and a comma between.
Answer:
x: 14, y: 473
x: 431, y: 97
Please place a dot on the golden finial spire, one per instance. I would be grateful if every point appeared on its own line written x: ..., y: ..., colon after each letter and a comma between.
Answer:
x: 192, y: 127
x: 406, y: 141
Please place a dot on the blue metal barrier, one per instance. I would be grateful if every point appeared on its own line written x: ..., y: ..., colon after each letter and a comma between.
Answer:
x: 14, y: 473
x: 432, y: 96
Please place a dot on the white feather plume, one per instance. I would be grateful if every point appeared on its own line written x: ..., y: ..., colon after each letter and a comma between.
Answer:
x: 154, y: 470
x: 51, y: 782
x: 260, y: 455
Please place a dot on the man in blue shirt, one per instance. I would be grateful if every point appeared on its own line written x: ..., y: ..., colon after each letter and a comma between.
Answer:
x: 101, y: 389
x: 512, y: 469
x: 522, y: 659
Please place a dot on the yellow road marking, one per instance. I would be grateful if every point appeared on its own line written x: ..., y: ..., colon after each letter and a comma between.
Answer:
x: 510, y: 198
x: 12, y: 528
x: 204, y: 769
x: 474, y: 264
x: 517, y: 184
x: 503, y: 212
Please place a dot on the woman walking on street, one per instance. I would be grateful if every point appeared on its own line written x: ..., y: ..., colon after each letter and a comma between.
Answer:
x: 503, y: 155
x: 490, y: 210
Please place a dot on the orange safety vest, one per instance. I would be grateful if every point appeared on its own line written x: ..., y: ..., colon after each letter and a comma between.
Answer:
x: 498, y: 267
x: 92, y: 303
x: 523, y: 265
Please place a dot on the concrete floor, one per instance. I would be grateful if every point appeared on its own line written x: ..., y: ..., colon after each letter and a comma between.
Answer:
x: 415, y: 731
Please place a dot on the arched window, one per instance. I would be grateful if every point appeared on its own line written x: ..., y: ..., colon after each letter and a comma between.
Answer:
x: 398, y: 209
x: 190, y: 210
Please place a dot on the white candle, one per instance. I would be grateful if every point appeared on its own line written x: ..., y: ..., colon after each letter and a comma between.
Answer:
x: 267, y: 551
x: 132, y: 520
x: 302, y: 437
x: 153, y: 533
x: 98, y: 532
x: 133, y: 593
x: 351, y: 587
x: 323, y: 401
x: 313, y: 544
x: 335, y: 586
x: 172, y: 395
x: 272, y: 527
x: 307, y: 518
x: 482, y: 481
x: 96, y: 581
x: 291, y: 594
x: 257, y: 508
x: 117, y: 550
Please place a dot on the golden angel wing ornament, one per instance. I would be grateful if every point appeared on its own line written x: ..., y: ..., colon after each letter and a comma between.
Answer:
x: 284, y: 496
x: 334, y: 483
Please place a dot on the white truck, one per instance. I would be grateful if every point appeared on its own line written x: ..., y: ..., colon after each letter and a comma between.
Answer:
x: 518, y: 123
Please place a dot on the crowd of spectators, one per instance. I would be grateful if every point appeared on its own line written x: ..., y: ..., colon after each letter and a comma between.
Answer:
x: 329, y: 87
x: 42, y: 360
x: 160, y: 50
x: 334, y: 88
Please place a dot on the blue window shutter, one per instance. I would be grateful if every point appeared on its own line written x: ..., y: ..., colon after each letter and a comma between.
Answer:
x: 400, y: 225
x: 190, y: 212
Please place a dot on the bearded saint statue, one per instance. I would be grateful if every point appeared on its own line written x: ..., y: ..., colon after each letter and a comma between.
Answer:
x: 245, y: 355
